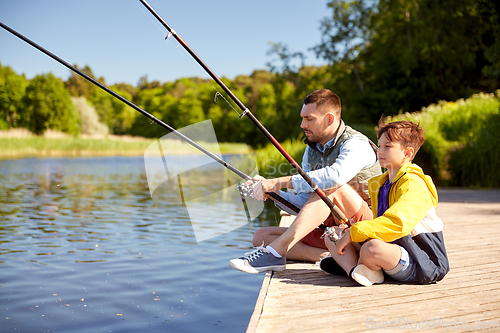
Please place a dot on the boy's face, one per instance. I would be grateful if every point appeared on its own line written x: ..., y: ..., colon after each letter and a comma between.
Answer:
x: 391, y: 155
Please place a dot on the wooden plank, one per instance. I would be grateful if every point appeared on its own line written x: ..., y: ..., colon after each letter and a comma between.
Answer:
x: 259, y: 305
x: 305, y: 299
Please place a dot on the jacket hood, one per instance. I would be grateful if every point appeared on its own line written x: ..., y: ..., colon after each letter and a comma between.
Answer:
x: 405, y: 169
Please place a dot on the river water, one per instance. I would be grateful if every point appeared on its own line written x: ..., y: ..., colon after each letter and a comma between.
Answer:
x: 84, y: 248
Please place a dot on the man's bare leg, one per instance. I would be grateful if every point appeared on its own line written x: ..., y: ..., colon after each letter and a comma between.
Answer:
x: 314, y: 212
x: 299, y: 251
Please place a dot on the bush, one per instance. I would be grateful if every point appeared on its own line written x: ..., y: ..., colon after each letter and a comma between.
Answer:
x: 476, y: 163
x: 89, y: 120
x: 460, y: 149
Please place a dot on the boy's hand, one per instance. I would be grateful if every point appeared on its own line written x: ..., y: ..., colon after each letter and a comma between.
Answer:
x: 342, y: 243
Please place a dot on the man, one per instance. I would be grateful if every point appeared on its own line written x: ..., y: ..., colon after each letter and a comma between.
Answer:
x: 340, y: 161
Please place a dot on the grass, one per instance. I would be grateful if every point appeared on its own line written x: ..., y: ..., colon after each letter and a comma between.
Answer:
x: 21, y: 143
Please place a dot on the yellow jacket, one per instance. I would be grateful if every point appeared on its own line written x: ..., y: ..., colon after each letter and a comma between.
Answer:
x: 411, y: 197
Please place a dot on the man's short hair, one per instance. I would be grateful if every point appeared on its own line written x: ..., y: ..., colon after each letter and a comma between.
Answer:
x: 405, y: 132
x: 326, y: 101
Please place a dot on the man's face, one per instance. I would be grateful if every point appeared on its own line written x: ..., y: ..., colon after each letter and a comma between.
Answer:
x: 314, y: 123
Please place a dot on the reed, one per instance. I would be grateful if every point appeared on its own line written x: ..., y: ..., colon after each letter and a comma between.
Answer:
x: 22, y: 143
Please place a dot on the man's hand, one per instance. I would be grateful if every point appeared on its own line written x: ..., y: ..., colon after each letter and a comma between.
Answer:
x: 342, y: 243
x: 268, y: 185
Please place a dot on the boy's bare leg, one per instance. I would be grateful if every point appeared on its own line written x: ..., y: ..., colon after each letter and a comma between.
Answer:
x: 299, y: 251
x: 314, y: 212
x: 376, y: 254
x: 346, y: 261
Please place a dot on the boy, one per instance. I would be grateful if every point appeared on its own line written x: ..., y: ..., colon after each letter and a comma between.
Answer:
x: 405, y: 239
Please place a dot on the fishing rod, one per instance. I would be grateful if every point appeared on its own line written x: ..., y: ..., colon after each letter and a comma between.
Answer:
x: 246, y: 112
x: 227, y: 165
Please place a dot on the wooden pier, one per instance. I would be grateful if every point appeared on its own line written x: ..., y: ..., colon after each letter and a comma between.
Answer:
x: 305, y: 299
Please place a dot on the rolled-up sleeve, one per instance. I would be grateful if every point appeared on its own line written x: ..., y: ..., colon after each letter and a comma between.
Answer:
x: 355, y: 154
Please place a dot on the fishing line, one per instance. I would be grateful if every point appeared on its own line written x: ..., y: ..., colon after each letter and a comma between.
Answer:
x: 336, y: 211
x: 183, y: 53
x: 218, y: 159
x: 217, y: 93
x: 156, y: 24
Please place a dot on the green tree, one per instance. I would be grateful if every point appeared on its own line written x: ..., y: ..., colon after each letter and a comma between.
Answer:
x: 12, y: 89
x: 404, y: 55
x: 103, y: 104
x: 189, y: 110
x: 79, y: 86
x: 48, y: 106
x: 123, y: 116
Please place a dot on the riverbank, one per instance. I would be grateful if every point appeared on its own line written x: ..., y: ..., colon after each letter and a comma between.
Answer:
x: 21, y: 143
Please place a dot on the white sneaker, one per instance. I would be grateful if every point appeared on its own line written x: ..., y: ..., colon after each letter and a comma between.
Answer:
x: 365, y: 276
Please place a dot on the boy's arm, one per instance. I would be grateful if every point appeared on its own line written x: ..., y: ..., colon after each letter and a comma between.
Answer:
x: 413, y: 201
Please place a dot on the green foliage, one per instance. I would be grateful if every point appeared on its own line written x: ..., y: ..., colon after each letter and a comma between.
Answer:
x: 89, y: 121
x: 48, y: 106
x: 123, y: 116
x: 460, y: 141
x: 12, y: 89
x: 476, y: 163
x: 272, y: 164
x: 78, y: 86
x: 403, y: 55
x: 103, y: 104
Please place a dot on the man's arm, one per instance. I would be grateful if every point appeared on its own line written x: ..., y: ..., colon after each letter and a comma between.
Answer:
x: 355, y: 154
x: 276, y: 184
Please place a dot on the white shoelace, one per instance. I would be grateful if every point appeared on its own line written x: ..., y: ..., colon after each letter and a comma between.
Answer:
x: 255, y: 254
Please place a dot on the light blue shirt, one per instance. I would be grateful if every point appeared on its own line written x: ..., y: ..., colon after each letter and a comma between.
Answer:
x: 355, y: 154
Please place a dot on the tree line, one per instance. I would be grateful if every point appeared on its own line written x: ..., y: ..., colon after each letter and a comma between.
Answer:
x: 384, y: 57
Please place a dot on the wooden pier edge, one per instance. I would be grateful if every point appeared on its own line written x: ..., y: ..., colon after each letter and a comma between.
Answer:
x: 300, y: 298
x: 259, y: 305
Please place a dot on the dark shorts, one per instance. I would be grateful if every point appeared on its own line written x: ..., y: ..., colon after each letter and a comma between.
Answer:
x: 314, y: 237
x: 405, y: 270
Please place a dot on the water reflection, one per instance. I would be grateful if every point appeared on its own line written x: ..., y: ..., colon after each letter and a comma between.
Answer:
x: 81, y: 241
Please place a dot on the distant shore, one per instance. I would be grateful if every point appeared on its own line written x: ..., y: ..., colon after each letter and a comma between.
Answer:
x: 21, y: 143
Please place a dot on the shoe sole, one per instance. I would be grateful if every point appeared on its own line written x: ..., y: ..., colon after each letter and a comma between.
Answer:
x: 253, y: 270
x: 366, y: 277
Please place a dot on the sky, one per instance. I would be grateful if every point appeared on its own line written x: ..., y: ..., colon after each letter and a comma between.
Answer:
x: 122, y: 42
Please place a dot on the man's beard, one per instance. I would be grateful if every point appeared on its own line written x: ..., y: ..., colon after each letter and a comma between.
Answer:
x: 314, y: 137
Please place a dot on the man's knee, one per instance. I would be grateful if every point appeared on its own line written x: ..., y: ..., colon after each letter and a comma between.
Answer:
x: 266, y: 235
x: 259, y: 236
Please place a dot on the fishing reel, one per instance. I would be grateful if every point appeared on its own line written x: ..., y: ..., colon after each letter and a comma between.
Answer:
x: 330, y: 233
x: 246, y: 189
